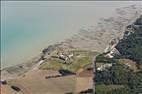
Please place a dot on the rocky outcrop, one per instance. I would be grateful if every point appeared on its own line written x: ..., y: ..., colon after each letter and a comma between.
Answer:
x: 107, y: 30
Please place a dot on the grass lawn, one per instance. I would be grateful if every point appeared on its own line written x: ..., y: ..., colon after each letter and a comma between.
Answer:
x: 79, y: 63
x: 80, y: 59
x: 106, y: 88
x: 52, y: 64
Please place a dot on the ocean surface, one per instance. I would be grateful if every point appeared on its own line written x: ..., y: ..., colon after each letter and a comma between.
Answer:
x: 29, y: 26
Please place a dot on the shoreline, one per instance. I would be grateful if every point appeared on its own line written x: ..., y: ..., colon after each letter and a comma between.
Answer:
x: 77, y: 40
x: 25, y: 75
x: 31, y: 52
x: 28, y: 52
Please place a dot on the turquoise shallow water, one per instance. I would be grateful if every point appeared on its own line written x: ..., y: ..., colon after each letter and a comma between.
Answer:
x: 28, y: 27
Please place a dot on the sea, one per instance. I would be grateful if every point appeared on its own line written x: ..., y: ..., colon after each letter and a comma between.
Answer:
x: 27, y: 27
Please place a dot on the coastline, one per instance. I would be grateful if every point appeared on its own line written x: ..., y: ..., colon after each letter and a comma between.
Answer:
x: 25, y: 48
x: 91, y: 40
x: 83, y: 39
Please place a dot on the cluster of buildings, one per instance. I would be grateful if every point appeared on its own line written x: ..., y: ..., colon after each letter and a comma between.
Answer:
x: 104, y: 67
x: 110, y: 51
x: 56, y: 53
x: 65, y: 57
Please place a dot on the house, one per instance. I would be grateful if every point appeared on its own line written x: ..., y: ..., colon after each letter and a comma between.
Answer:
x: 104, y: 67
x: 63, y: 57
x: 112, y: 53
x: 70, y: 55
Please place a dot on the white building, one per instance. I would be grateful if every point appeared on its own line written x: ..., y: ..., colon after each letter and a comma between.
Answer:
x: 104, y: 66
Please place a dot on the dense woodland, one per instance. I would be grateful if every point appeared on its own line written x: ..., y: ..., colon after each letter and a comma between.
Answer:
x: 131, y: 47
x: 119, y: 79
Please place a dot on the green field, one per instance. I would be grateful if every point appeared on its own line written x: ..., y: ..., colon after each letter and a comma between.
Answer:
x: 79, y: 60
x: 102, y: 88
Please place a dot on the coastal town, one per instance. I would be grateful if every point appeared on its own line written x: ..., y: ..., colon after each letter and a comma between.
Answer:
x: 77, y: 65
